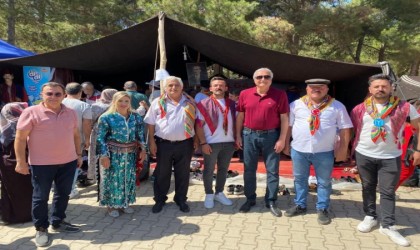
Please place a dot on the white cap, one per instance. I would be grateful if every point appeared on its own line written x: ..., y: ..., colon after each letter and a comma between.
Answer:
x: 161, y: 74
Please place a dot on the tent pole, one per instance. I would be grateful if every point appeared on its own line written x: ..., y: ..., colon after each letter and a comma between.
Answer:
x: 161, y: 39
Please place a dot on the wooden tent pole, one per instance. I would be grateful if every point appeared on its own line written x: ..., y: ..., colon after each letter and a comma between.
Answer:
x: 161, y: 39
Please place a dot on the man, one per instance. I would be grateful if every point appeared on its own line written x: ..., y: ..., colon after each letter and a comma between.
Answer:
x: 91, y: 93
x: 263, y: 116
x: 234, y: 95
x: 10, y: 92
x: 136, y: 97
x: 215, y: 130
x: 378, y: 124
x: 314, y: 121
x: 84, y: 121
x: 195, y: 78
x: 204, y: 91
x: 154, y: 89
x: 50, y: 131
x: 171, y: 120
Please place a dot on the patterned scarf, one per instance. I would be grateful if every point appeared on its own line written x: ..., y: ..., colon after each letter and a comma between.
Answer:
x: 314, y: 120
x: 224, y: 112
x: 189, y: 115
x: 378, y: 129
x: 9, y: 116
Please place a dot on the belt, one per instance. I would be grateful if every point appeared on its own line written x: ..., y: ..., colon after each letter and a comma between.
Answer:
x: 117, y: 147
x: 260, y: 131
x: 158, y: 139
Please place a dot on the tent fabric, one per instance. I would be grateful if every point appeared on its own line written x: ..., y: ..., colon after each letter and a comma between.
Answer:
x: 408, y: 87
x: 9, y: 51
x: 131, y: 53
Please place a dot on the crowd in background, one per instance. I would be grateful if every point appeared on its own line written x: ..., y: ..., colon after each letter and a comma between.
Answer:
x: 104, y: 136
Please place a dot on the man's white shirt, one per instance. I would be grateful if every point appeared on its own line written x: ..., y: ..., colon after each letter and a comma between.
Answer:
x: 332, y: 119
x: 387, y: 149
x: 219, y: 134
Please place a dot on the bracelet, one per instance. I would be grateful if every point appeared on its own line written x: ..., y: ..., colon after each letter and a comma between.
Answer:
x: 204, y: 143
x: 416, y: 150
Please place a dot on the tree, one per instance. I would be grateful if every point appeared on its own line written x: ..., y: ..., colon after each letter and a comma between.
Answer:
x: 43, y: 26
x: 223, y: 17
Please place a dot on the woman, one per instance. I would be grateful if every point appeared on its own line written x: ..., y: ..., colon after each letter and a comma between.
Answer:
x: 120, y: 137
x: 16, y: 189
x: 98, y: 108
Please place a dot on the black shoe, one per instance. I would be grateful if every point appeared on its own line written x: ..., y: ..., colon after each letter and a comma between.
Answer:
x: 230, y: 189
x: 65, y: 227
x: 247, y: 206
x: 239, y: 189
x: 158, y: 207
x: 183, y: 206
x: 323, y: 217
x: 273, y: 208
x: 296, y: 210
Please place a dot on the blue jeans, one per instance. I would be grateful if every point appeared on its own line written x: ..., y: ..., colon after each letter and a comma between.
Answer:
x: 253, y: 143
x: 42, y: 179
x: 323, y: 163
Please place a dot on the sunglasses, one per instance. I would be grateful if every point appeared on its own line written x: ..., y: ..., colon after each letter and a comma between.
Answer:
x: 56, y: 94
x: 261, y: 77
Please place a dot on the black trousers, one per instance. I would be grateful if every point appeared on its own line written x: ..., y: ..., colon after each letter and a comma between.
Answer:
x: 382, y: 172
x: 177, y: 155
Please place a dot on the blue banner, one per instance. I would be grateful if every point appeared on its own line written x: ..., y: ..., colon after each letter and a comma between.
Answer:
x: 33, y: 78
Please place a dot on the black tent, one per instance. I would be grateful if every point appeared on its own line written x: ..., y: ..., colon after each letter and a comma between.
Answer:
x: 130, y: 54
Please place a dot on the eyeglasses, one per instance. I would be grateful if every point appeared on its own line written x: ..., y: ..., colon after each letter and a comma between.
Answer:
x: 261, y: 77
x: 56, y: 94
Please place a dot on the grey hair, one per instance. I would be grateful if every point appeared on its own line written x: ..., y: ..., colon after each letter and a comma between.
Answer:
x: 53, y: 85
x: 130, y: 85
x: 73, y: 88
x: 87, y: 84
x: 267, y: 69
x: 170, y: 78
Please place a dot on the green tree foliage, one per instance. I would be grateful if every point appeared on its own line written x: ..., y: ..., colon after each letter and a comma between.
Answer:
x: 46, y: 25
x: 223, y: 17
x: 273, y: 33
x: 361, y: 31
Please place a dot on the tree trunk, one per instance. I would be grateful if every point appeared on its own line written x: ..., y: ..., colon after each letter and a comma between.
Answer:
x: 11, y: 22
x: 359, y: 48
x: 293, y: 44
x: 414, y: 69
x: 381, y: 53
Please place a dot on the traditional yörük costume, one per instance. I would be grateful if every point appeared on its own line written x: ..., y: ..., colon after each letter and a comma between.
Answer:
x: 119, y: 138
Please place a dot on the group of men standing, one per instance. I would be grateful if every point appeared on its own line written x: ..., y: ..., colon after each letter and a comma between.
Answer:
x: 261, y: 122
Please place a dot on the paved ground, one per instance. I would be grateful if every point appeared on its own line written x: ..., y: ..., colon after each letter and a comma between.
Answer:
x: 220, y: 227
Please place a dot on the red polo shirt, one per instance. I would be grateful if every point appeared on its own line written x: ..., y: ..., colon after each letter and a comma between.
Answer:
x: 263, y: 112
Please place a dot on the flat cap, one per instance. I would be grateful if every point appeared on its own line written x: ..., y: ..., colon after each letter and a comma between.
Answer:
x: 318, y: 81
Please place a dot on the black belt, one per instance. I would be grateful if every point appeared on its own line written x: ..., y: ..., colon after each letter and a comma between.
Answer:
x: 160, y: 140
x: 260, y: 131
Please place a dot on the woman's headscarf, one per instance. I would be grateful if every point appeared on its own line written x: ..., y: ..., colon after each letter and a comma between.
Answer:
x: 8, y: 119
x: 106, y: 95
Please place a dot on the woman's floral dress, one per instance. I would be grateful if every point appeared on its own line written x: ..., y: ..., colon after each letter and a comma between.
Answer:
x: 118, y: 184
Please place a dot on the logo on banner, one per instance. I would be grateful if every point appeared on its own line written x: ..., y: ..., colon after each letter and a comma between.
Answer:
x: 34, y: 75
